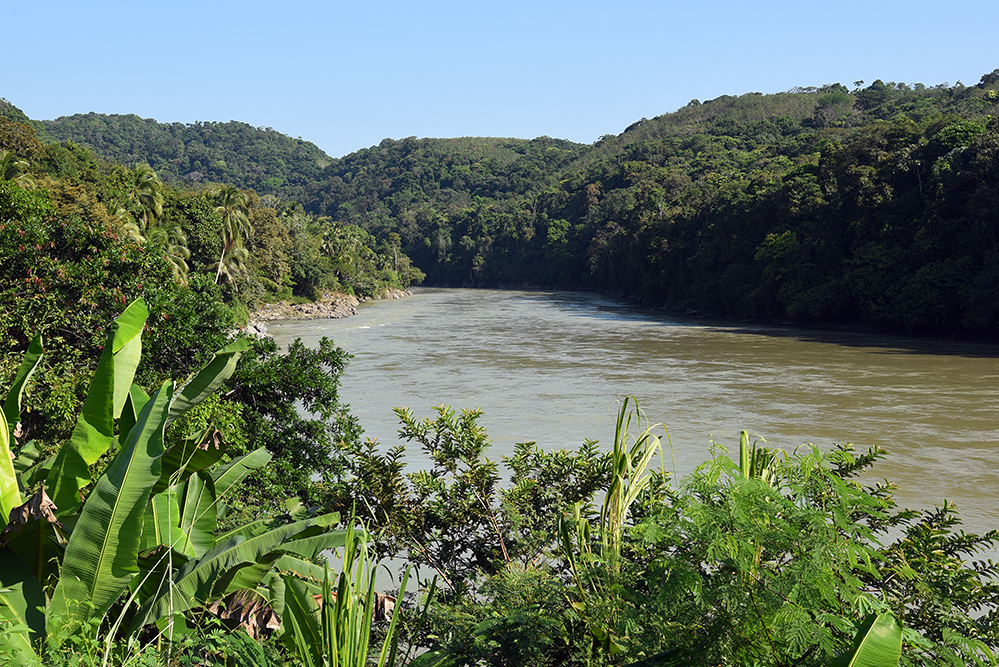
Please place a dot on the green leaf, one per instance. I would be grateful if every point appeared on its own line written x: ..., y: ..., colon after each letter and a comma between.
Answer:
x: 37, y: 540
x: 137, y: 399
x: 198, y: 518
x: 21, y: 605
x: 94, y: 429
x: 156, y: 566
x: 246, y: 575
x: 878, y: 643
x: 12, y: 405
x: 188, y: 457
x: 237, y: 469
x: 194, y: 584
x: 311, y: 547
x: 161, y: 523
x: 100, y: 558
x: 127, y: 350
x: 300, y: 621
x: 208, y: 379
x: 27, y: 458
x: 300, y: 568
x: 10, y: 492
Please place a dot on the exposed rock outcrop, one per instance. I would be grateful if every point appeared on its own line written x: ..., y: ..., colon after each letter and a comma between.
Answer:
x: 330, y: 306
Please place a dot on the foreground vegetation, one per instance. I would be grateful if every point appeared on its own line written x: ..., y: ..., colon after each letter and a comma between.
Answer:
x: 777, y: 559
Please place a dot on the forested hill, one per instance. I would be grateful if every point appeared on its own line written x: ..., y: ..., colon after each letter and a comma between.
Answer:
x: 871, y: 205
x: 402, y: 185
x: 235, y: 153
x: 874, y: 204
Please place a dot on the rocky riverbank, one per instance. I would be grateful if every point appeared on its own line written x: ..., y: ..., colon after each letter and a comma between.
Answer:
x: 329, y: 306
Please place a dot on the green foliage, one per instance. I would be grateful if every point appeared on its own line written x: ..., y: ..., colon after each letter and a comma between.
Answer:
x: 144, y: 544
x: 273, y: 387
x: 334, y: 628
x: 454, y: 517
x: 772, y: 559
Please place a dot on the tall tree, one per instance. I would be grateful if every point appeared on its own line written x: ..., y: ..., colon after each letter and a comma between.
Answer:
x: 145, y: 194
x: 230, y: 203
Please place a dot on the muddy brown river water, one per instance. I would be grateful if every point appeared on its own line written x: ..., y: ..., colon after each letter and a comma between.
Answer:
x: 552, y: 366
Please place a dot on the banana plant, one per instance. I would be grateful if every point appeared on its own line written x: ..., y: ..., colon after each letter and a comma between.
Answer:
x: 141, y: 546
x: 10, y: 486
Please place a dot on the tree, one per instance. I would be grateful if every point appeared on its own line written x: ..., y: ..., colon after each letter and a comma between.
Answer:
x: 272, y: 386
x: 13, y: 168
x: 19, y: 138
x: 230, y: 203
x: 144, y: 194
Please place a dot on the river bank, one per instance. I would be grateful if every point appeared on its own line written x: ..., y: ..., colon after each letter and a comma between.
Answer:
x: 332, y: 305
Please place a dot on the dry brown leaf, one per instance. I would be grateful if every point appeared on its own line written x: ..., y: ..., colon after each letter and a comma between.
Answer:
x: 39, y: 507
x: 248, y: 610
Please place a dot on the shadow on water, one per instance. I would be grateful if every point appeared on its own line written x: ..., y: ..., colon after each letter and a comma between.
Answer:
x: 875, y: 343
x: 603, y: 307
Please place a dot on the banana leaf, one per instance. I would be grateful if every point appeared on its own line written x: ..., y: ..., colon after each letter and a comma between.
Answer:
x: 208, y: 379
x: 198, y: 519
x: 22, y: 602
x: 156, y: 566
x: 311, y: 546
x: 194, y: 584
x: 300, y: 614
x: 310, y: 543
x: 302, y: 569
x: 228, y: 476
x: 37, y: 537
x: 10, y: 491
x: 137, y: 399
x: 94, y: 431
x: 188, y: 457
x: 161, y: 523
x: 246, y: 575
x: 878, y: 643
x: 12, y: 405
x: 100, y: 559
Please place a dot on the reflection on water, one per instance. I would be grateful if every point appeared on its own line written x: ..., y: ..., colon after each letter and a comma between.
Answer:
x: 551, y: 366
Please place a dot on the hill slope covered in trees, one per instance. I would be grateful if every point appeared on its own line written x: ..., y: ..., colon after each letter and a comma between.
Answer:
x: 826, y: 205
x: 819, y: 205
x: 235, y: 153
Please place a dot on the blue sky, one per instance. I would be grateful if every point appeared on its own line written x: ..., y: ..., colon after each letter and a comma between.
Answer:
x: 345, y: 75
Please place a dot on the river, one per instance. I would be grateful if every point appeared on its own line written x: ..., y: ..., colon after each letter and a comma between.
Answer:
x: 552, y: 366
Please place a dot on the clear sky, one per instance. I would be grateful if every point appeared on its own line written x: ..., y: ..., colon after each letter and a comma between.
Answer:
x: 346, y: 75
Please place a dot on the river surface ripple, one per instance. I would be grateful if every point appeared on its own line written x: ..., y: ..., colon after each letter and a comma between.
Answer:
x: 552, y: 366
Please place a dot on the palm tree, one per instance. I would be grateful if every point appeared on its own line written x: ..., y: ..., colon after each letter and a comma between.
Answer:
x: 14, y: 168
x: 144, y: 194
x: 141, y: 218
x: 233, y: 262
x: 175, y: 243
x: 230, y: 204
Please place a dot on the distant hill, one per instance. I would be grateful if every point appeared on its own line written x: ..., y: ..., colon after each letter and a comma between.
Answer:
x: 8, y: 110
x: 391, y: 183
x: 248, y: 157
